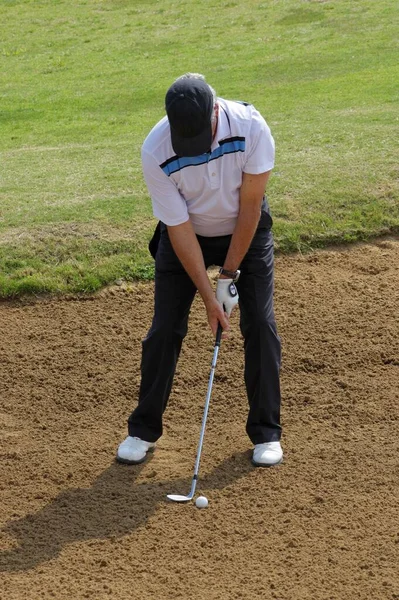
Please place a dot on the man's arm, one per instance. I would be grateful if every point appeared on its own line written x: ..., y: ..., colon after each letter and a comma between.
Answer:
x: 251, y: 196
x: 188, y: 251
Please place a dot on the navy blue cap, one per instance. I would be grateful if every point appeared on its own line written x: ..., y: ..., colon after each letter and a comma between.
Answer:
x: 189, y: 106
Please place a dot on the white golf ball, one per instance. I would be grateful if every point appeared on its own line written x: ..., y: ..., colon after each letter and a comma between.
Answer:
x: 201, y: 502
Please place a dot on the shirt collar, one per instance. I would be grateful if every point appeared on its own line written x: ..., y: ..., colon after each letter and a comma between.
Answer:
x: 223, y: 129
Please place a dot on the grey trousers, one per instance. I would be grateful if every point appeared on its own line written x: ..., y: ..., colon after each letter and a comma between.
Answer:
x: 174, y: 294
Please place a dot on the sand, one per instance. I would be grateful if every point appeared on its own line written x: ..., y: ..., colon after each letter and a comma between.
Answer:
x: 322, y: 525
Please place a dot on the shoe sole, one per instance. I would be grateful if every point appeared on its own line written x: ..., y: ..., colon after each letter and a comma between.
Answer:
x: 265, y: 465
x: 125, y: 461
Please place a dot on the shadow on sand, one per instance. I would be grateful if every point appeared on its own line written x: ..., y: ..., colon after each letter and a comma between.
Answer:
x: 112, y: 507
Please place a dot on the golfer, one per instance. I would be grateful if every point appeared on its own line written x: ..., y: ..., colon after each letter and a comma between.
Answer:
x: 206, y: 165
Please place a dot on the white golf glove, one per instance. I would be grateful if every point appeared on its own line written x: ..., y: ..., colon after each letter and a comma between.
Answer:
x: 226, y: 294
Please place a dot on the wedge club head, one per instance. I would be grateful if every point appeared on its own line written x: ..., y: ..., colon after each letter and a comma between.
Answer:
x: 177, y: 498
x: 190, y: 496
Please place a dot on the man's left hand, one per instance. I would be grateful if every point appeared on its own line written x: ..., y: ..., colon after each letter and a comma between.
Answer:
x: 227, y: 294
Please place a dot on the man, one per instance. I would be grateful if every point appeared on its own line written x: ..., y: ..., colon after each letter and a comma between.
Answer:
x: 206, y: 165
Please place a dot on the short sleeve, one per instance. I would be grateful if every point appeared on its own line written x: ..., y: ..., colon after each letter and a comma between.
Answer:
x: 260, y: 155
x: 167, y: 203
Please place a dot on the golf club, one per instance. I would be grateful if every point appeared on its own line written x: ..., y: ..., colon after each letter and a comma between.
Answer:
x: 190, y: 496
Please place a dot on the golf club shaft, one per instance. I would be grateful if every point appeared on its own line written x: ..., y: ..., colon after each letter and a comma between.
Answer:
x: 204, y: 418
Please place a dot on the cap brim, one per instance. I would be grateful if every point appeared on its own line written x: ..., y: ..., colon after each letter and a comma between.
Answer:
x: 193, y: 146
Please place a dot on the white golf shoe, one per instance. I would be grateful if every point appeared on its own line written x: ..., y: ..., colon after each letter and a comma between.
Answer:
x: 267, y: 454
x: 133, y: 450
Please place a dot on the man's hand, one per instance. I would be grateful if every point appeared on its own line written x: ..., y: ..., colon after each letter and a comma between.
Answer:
x: 217, y: 315
x: 226, y: 294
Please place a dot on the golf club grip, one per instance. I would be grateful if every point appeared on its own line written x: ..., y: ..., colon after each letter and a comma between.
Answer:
x: 218, y: 335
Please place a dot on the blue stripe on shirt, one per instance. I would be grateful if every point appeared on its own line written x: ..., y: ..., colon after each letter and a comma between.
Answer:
x: 226, y: 147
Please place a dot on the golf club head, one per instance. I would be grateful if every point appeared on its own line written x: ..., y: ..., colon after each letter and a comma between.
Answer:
x: 178, y: 498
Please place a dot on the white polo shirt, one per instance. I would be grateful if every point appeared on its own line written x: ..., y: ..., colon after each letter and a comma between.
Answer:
x: 206, y: 188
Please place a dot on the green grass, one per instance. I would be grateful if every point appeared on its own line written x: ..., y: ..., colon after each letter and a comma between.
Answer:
x: 82, y: 82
